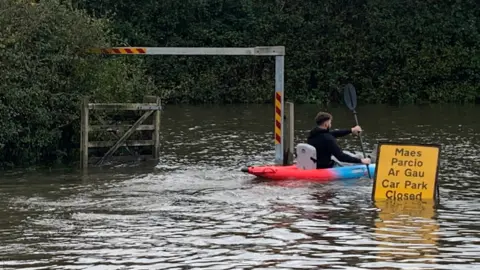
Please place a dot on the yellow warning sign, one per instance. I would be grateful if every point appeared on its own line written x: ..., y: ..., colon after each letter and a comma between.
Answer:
x: 406, y: 171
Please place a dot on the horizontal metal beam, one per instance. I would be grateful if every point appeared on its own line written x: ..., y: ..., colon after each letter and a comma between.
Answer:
x: 255, y: 51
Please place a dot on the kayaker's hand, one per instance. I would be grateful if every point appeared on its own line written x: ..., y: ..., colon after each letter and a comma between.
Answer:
x: 356, y: 130
x: 366, y: 161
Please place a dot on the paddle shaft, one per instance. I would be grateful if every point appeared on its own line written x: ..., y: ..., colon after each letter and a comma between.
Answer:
x: 350, y: 96
x: 361, y: 142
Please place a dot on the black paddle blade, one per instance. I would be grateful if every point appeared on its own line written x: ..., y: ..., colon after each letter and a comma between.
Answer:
x: 350, y: 96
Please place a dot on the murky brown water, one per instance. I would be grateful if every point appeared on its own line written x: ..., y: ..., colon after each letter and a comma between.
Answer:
x: 196, y: 210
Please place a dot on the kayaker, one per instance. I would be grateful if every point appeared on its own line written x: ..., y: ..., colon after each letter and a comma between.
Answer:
x: 325, y: 143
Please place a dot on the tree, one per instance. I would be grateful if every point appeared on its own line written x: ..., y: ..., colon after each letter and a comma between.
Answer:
x: 45, y: 70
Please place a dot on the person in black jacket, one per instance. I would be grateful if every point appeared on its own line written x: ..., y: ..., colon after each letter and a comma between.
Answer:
x: 324, y: 141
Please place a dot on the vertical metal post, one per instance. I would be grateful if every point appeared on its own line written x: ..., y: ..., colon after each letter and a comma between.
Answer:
x: 84, y: 134
x: 279, y: 108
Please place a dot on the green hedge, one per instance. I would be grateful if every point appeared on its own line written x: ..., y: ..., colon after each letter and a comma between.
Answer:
x: 44, y: 71
x: 393, y: 51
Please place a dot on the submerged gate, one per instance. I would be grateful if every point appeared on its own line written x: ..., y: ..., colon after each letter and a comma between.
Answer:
x: 150, y: 106
x: 277, y: 51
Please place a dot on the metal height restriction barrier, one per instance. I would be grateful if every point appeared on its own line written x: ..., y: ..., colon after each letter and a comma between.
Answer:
x: 277, y: 51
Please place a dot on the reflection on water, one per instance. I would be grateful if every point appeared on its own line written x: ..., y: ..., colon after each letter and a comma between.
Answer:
x: 405, y: 224
x: 196, y: 210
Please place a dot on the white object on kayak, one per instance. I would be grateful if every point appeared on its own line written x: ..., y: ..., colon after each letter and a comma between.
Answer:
x: 306, y: 156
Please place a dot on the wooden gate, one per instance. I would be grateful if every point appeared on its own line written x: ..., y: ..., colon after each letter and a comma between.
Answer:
x: 151, y: 105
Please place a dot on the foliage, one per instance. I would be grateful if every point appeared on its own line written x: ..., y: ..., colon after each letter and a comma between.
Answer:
x: 396, y: 51
x: 44, y: 72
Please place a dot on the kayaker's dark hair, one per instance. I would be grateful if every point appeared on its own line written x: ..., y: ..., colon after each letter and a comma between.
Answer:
x: 322, y: 117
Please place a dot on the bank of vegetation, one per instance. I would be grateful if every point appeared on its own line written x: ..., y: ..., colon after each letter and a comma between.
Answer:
x: 416, y: 51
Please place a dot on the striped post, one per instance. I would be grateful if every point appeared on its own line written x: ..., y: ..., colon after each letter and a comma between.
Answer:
x: 278, y: 118
x: 123, y: 50
x: 279, y: 112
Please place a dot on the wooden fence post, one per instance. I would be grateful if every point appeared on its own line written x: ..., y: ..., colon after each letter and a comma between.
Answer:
x: 84, y: 133
x: 156, y: 133
x: 289, y: 134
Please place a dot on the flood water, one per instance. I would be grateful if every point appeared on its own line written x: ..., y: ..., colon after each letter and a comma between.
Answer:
x: 196, y: 210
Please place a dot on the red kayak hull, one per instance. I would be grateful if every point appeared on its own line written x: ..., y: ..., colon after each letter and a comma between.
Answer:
x: 291, y: 172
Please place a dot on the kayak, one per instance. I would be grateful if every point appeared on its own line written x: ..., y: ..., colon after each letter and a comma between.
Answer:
x: 292, y: 172
x: 306, y: 168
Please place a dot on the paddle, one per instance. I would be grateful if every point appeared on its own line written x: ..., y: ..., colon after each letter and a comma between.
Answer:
x: 350, y: 97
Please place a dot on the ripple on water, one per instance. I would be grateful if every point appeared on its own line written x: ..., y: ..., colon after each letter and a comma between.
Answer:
x: 197, y: 211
